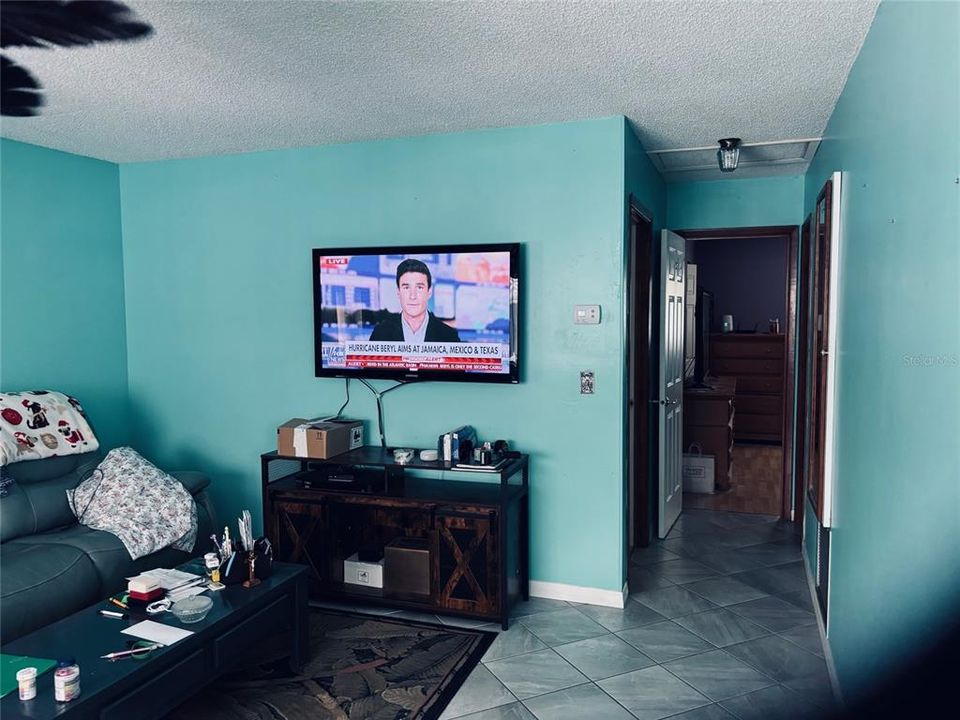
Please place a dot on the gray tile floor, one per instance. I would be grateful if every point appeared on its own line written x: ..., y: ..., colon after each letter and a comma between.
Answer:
x: 718, y: 625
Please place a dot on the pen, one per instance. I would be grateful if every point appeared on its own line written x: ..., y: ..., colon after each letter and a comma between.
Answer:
x: 112, y: 614
x: 124, y: 653
x: 117, y: 603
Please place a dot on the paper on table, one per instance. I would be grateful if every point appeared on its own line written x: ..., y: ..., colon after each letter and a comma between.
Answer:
x: 181, y: 593
x: 170, y: 579
x: 157, y: 632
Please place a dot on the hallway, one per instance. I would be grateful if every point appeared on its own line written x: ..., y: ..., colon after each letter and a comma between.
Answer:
x: 719, y: 625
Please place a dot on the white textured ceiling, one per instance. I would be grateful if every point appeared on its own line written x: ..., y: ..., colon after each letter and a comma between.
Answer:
x: 227, y: 77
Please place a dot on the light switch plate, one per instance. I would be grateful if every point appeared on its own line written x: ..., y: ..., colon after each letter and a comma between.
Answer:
x: 586, y: 314
x: 586, y: 382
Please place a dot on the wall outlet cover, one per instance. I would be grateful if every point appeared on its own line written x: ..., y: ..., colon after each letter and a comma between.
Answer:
x: 586, y: 314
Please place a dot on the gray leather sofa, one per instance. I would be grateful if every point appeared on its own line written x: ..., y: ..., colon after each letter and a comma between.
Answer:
x: 50, y: 566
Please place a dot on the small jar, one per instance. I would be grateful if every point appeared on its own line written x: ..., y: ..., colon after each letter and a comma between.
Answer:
x: 211, y: 562
x: 27, y: 683
x: 66, y: 680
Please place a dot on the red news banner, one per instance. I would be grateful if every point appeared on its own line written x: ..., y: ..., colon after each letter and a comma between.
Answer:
x: 476, y: 357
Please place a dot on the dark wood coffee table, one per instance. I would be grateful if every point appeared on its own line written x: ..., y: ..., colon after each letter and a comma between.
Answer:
x: 144, y: 689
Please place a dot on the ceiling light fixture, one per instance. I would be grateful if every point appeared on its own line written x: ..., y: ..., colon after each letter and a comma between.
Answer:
x: 729, y: 154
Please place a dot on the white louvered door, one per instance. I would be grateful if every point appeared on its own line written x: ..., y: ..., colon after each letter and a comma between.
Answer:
x: 672, y: 280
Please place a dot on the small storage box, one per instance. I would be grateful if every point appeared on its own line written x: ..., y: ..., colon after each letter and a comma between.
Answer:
x: 368, y: 574
x: 319, y: 439
x: 407, y: 566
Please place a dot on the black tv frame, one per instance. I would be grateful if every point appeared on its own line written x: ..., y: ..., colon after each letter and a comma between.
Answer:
x: 516, y: 319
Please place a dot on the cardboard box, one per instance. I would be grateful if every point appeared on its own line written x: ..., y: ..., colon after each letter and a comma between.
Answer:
x: 356, y: 572
x: 318, y: 438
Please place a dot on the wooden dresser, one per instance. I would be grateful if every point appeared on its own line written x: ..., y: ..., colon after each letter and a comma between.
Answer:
x: 708, y: 420
x: 756, y: 360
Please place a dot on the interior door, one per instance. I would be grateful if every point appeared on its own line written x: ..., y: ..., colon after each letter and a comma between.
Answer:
x: 672, y: 281
x: 823, y: 361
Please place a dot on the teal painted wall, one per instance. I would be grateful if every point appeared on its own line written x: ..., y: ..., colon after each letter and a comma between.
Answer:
x: 220, y: 340
x: 61, y: 287
x: 895, y: 133
x: 736, y: 202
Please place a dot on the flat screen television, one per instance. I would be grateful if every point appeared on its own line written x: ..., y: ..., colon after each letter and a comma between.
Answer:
x: 437, y: 312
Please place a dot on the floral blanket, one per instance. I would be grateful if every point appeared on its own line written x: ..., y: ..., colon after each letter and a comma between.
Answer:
x: 40, y: 424
x: 138, y: 502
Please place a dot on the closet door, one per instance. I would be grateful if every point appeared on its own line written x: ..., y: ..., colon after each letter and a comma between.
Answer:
x: 826, y: 266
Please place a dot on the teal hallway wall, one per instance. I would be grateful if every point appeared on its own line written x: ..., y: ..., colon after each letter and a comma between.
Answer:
x: 735, y: 202
x: 219, y: 314
x: 895, y: 134
x: 61, y: 282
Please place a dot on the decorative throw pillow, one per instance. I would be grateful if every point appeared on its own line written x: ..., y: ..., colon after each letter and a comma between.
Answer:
x: 138, y: 502
x: 40, y: 424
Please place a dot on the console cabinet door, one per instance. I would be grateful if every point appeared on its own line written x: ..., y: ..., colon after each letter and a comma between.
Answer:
x: 465, y: 556
x: 298, y: 537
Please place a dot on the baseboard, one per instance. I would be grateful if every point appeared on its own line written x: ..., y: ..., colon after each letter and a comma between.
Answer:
x: 822, y: 627
x: 578, y: 594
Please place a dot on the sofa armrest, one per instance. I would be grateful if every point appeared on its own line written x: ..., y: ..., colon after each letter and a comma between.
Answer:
x: 194, y: 482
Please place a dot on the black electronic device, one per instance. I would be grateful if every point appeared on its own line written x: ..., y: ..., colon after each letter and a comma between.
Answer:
x: 704, y: 323
x: 436, y: 312
x: 338, y: 477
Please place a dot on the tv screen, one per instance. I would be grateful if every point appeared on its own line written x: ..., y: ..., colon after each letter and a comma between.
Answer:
x: 429, y: 312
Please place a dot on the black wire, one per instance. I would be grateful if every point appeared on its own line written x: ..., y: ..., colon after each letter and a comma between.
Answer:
x: 378, y: 394
x: 83, y: 513
x: 346, y: 383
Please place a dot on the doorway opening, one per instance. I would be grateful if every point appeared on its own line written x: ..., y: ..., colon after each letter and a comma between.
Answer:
x: 641, y: 463
x: 742, y: 288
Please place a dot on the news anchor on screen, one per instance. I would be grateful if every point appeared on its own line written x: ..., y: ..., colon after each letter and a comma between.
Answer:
x: 414, y: 323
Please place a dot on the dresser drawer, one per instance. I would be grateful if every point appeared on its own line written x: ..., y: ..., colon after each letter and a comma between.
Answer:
x: 712, y: 440
x: 749, y: 384
x: 750, y: 404
x: 748, y: 348
x: 746, y: 366
x: 701, y: 411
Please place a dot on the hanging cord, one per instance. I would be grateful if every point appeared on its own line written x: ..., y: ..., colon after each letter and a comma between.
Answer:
x: 378, y: 394
x: 346, y: 383
x: 83, y: 513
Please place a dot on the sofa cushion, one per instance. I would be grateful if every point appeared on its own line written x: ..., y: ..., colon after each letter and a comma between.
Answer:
x: 107, y: 554
x: 194, y: 482
x: 42, y: 583
x: 38, y: 499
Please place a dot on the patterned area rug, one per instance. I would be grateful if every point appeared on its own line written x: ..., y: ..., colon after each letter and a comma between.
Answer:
x: 361, y: 667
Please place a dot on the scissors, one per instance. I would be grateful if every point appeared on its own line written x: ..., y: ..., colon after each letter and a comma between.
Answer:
x: 137, y: 649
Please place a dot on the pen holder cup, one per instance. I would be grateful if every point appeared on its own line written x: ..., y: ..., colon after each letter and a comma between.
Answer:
x: 234, y: 569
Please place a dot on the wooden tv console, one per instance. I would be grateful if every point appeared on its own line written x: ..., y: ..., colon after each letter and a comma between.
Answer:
x: 476, y: 529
